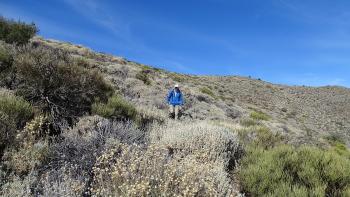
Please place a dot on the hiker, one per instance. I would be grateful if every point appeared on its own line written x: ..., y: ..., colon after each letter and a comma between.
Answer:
x: 175, y: 99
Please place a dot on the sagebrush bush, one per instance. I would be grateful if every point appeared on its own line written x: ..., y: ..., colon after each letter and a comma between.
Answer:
x: 81, y: 145
x: 147, y: 116
x: 207, y: 91
x: 7, y: 76
x: 129, y: 170
x: 248, y: 122
x: 16, y: 32
x: 16, y: 108
x: 288, y: 171
x: 51, y: 80
x: 338, y: 144
x: 258, y: 115
x: 259, y: 136
x: 7, y: 131
x: 64, y: 181
x: 14, y: 113
x: 207, y: 141
x: 6, y: 57
x: 30, y: 150
x: 26, y: 158
x: 18, y: 186
x: 116, y: 108
x: 143, y: 76
x: 34, y: 131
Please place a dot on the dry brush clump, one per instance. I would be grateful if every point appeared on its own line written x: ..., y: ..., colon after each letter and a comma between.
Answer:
x: 30, y: 150
x: 209, y: 142
x: 64, y: 181
x: 131, y: 170
x: 18, y: 186
x: 81, y: 145
x: 148, y: 115
x: 196, y: 164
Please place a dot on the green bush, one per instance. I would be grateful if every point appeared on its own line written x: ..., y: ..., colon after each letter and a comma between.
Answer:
x: 52, y: 80
x: 259, y: 136
x: 247, y: 122
x: 143, y: 76
x: 338, y: 145
x: 16, y: 32
x: 207, y: 91
x: 7, y: 131
x: 17, y: 109
x: 258, y: 115
x: 14, y: 113
x: 6, y: 60
x: 116, y: 108
x: 177, y: 77
x: 288, y: 171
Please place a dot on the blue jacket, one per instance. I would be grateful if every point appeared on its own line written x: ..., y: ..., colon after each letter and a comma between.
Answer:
x: 175, y: 98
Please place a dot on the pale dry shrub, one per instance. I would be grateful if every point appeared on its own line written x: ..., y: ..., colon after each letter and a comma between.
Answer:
x: 148, y: 115
x: 81, y: 145
x: 62, y: 182
x: 32, y: 148
x: 26, y: 158
x: 18, y: 186
x: 209, y: 142
x: 130, y: 170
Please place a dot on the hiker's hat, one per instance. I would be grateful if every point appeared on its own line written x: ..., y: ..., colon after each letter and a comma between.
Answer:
x: 176, y: 85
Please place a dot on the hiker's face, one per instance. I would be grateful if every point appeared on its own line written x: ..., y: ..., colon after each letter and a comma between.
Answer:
x: 176, y: 88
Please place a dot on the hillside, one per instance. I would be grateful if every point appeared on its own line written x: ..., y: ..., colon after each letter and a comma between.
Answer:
x: 75, y: 122
x: 307, y: 114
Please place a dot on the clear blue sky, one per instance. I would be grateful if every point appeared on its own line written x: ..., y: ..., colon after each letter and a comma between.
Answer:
x: 296, y: 42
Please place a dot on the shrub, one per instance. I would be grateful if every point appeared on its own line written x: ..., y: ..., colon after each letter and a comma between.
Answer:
x: 207, y: 91
x: 6, y: 57
x: 258, y: 115
x: 31, y: 148
x: 132, y: 171
x: 16, y: 32
x: 16, y: 108
x: 210, y: 143
x: 81, y: 145
x: 143, y: 76
x: 64, y: 181
x: 177, y: 77
x: 247, y: 122
x: 116, y: 108
x: 338, y: 145
x: 34, y: 131
x: 14, y: 113
x: 7, y: 76
x: 7, y: 131
x: 304, y: 171
x: 233, y: 113
x: 52, y: 81
x: 259, y: 136
x: 149, y: 115
x: 27, y: 158
x: 17, y: 186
